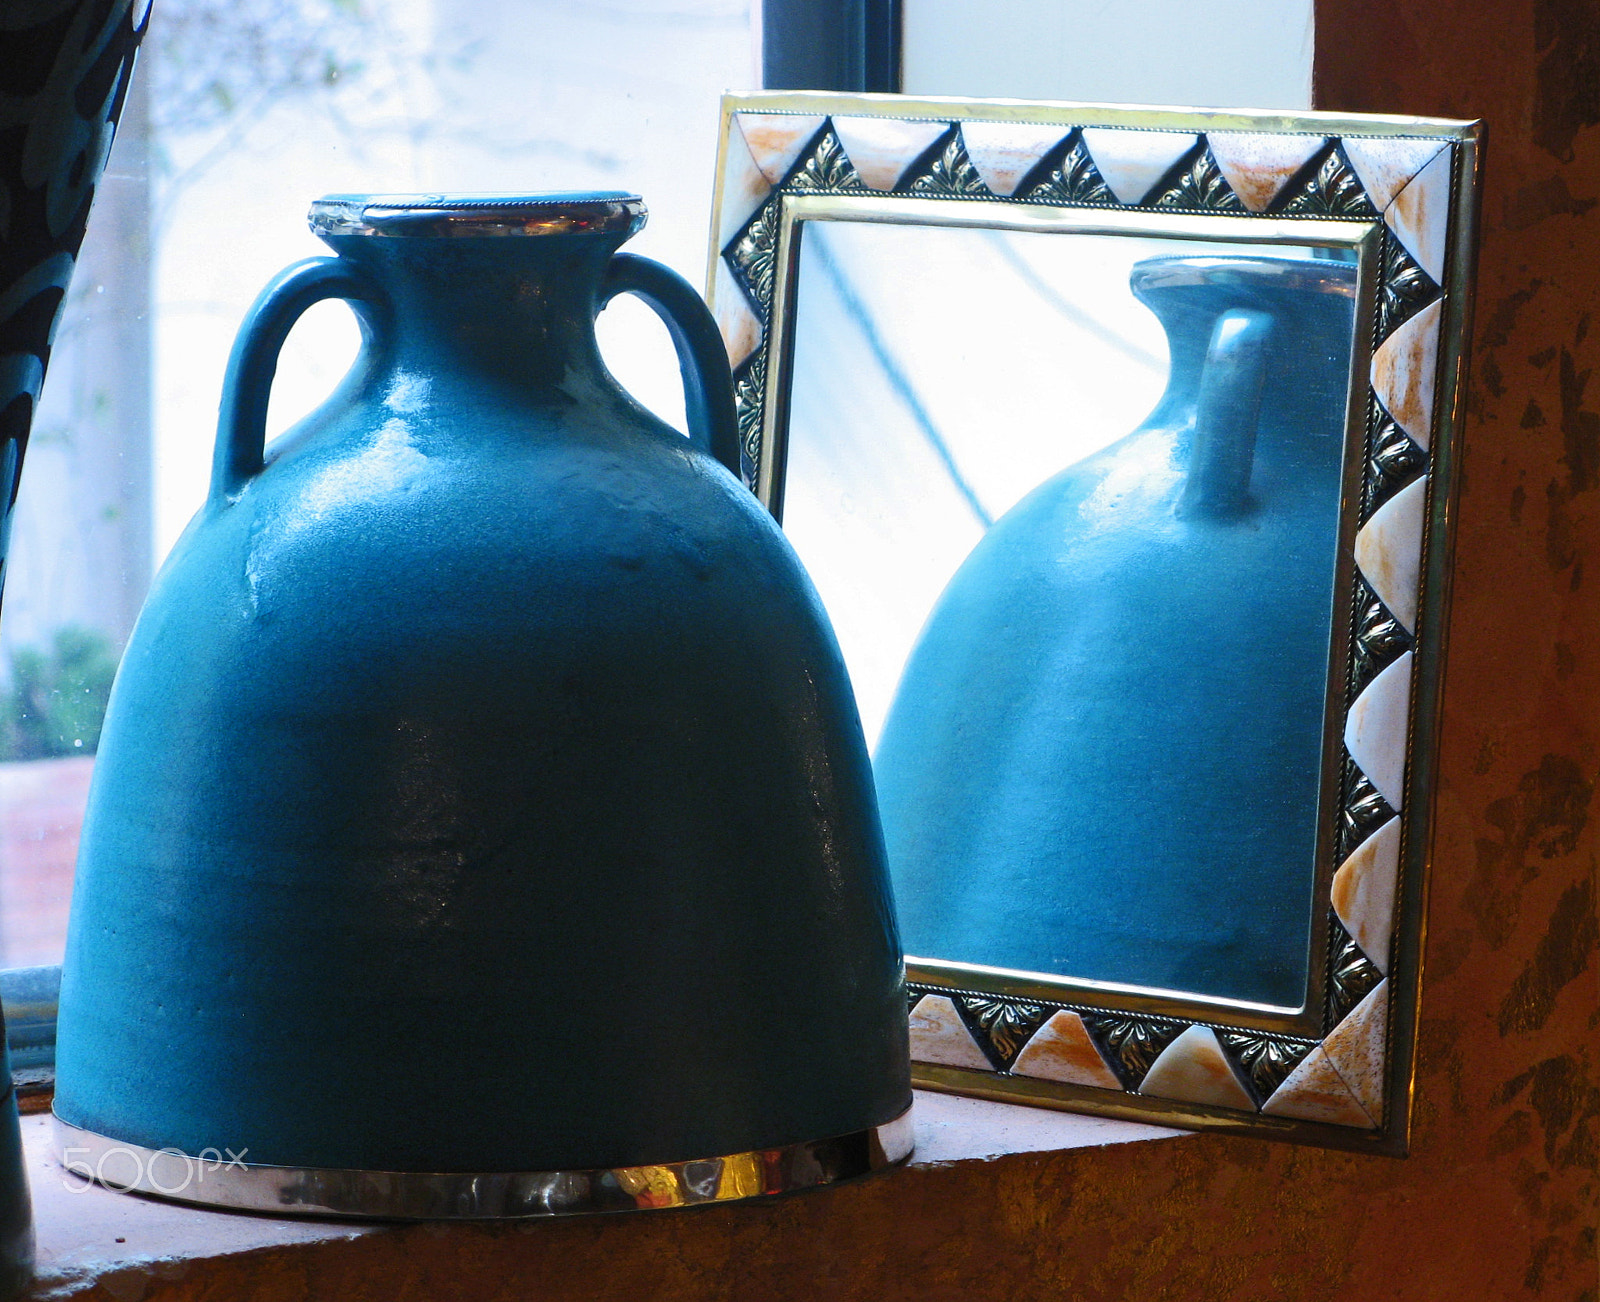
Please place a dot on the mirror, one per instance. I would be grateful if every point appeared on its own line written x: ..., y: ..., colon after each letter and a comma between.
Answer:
x: 1040, y: 814
x: 1110, y: 439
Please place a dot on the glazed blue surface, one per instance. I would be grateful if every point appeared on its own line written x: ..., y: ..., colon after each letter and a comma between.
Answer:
x: 482, y: 788
x: 1104, y: 757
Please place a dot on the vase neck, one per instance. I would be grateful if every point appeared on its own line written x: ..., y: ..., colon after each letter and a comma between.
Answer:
x: 519, y: 312
x: 1308, y: 302
x: 498, y: 288
x: 1238, y: 328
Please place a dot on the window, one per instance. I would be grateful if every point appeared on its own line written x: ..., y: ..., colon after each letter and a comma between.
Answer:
x: 243, y: 112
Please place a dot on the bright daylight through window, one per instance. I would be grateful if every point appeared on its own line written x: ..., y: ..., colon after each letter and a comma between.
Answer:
x: 243, y: 111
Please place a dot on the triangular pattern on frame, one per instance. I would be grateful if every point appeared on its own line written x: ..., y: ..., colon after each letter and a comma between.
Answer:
x: 1405, y: 373
x: 1263, y: 1060
x: 745, y: 188
x: 1130, y: 1044
x: 1419, y: 216
x: 740, y: 327
x: 1404, y: 287
x: 1196, y: 183
x: 1351, y: 974
x: 776, y: 140
x: 1380, y: 638
x: 1194, y: 1068
x: 749, y: 384
x: 1004, y: 153
x: 1365, y: 809
x: 1375, y: 730
x: 1327, y: 187
x: 1386, y: 163
x: 1363, y: 892
x: 1133, y: 162
x: 1394, y: 460
x: 1061, y: 1050
x: 947, y: 172
x: 880, y: 149
x: 1358, y: 1049
x: 938, y: 1035
x: 1072, y: 178
x: 1389, y: 551
x: 1314, y: 1091
x: 1257, y: 164
x: 752, y: 256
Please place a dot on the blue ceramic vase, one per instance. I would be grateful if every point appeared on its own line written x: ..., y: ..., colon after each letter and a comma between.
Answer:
x: 1101, y: 755
x: 482, y: 791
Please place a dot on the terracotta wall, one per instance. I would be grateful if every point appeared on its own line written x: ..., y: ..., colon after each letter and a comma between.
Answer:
x: 1508, y: 1088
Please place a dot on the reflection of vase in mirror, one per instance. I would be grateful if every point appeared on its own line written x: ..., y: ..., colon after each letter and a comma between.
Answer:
x: 1105, y: 755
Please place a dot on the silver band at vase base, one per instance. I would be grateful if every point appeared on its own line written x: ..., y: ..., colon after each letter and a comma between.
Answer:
x: 221, y: 1178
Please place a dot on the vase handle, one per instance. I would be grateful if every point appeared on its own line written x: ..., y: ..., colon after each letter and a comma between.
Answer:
x: 1227, y: 411
x: 702, y: 359
x: 242, y: 422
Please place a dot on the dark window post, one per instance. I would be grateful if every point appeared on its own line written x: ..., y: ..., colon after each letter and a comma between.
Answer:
x: 841, y: 45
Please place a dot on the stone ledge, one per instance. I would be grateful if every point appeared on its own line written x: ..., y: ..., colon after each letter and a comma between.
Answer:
x: 93, y: 1243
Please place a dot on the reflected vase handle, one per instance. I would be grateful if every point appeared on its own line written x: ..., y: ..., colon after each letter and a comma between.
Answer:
x: 242, y: 422
x: 1227, y: 412
x: 702, y: 359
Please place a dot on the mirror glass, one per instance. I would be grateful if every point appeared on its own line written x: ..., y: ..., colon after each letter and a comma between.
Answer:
x: 1072, y: 501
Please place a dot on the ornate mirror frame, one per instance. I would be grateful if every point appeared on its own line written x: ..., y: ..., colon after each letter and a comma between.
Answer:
x: 1340, y: 1072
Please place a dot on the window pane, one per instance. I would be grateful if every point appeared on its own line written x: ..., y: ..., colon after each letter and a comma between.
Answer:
x: 245, y: 112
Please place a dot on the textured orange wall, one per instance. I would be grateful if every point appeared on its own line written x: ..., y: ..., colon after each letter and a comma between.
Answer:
x: 1508, y: 1087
